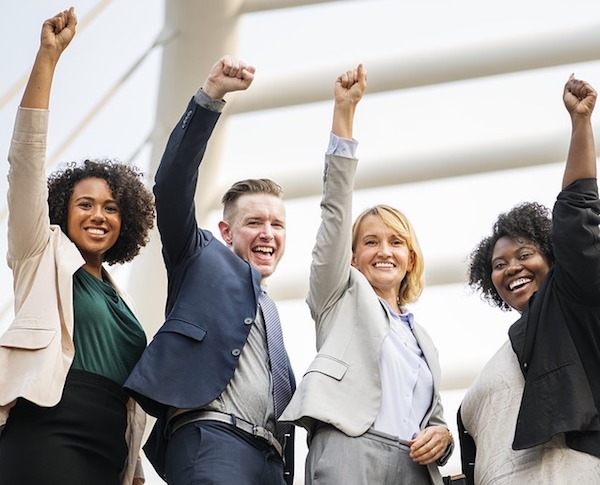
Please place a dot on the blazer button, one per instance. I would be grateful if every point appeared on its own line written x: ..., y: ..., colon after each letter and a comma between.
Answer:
x: 236, y: 352
x: 186, y: 119
x: 248, y: 321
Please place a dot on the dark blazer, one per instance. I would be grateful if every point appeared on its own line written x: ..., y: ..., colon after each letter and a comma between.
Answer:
x: 212, y: 295
x: 558, y: 335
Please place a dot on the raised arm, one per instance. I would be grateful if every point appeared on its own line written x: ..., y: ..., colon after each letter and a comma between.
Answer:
x: 332, y: 251
x: 28, y: 221
x: 177, y: 175
x: 57, y: 33
x: 349, y: 90
x: 576, y: 214
x: 579, y: 98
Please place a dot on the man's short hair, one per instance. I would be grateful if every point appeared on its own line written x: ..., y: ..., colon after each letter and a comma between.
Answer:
x: 248, y: 186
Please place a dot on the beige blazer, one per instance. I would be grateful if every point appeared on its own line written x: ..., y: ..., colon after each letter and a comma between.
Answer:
x: 342, y: 385
x: 36, y: 351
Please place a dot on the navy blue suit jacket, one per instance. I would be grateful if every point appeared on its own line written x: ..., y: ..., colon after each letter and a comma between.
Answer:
x: 212, y: 295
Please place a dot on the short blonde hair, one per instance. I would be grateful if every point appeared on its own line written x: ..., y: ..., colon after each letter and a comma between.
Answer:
x: 413, y: 283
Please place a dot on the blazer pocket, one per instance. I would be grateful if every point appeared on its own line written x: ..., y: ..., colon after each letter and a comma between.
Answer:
x: 27, y: 338
x: 330, y: 366
x: 185, y: 328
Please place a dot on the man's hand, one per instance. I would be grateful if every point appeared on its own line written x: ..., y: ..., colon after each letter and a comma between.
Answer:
x: 227, y: 75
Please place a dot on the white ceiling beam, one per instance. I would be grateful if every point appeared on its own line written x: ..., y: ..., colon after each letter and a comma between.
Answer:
x: 432, y: 164
x: 253, y: 6
x: 429, y: 67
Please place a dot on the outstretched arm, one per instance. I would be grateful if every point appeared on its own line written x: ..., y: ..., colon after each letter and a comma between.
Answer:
x: 331, y: 254
x: 28, y: 219
x: 349, y: 90
x: 177, y: 175
x: 579, y: 98
x: 57, y: 33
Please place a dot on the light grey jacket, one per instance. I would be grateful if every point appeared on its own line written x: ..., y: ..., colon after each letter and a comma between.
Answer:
x: 37, y: 351
x: 342, y: 385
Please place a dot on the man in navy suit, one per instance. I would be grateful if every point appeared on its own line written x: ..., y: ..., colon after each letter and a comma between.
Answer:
x: 209, y: 374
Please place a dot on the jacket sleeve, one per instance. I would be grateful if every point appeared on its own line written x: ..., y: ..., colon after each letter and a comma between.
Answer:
x: 576, y: 239
x: 176, y: 180
x: 28, y: 219
x: 331, y: 256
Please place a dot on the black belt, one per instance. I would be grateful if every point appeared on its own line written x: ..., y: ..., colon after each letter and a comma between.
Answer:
x: 188, y: 417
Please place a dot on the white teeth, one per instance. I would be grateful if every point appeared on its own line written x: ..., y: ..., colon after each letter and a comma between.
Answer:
x: 519, y: 282
x: 384, y: 265
x: 98, y: 232
x: 264, y: 249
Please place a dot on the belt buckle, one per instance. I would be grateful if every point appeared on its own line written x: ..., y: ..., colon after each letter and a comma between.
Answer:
x: 263, y: 433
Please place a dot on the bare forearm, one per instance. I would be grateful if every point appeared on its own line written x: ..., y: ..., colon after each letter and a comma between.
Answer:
x: 343, y: 120
x: 37, y: 91
x: 581, y: 159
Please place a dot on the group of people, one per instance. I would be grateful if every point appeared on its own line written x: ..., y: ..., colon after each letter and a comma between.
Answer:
x: 77, y: 378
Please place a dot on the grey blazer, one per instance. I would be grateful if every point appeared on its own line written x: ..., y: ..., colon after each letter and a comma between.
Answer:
x: 342, y: 385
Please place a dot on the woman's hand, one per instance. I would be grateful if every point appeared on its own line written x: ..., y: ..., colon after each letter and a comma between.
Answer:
x: 430, y: 444
x: 579, y: 97
x: 58, y: 32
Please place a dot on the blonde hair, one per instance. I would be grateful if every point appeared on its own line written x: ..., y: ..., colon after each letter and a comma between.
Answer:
x: 413, y: 283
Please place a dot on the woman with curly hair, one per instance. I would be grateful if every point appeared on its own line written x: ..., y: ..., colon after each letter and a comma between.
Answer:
x: 533, y: 414
x: 64, y: 417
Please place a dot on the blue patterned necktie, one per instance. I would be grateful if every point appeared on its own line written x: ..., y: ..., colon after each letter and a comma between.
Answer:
x: 282, y: 391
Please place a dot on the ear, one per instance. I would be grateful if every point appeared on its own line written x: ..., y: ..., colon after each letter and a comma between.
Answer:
x: 411, y: 261
x: 225, y: 230
x: 353, y: 260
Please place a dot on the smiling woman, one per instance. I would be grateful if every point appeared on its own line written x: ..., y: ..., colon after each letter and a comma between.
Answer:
x: 523, y: 233
x: 64, y: 417
x: 370, y: 399
x: 94, y: 196
x: 519, y: 268
x: 533, y: 414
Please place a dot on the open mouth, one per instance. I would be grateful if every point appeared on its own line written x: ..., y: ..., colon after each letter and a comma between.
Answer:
x: 518, y: 283
x: 263, y: 250
x: 384, y: 265
x: 96, y: 231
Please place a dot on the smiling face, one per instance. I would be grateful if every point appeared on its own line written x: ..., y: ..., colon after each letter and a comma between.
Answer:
x: 382, y: 256
x: 93, y: 219
x: 518, y: 270
x: 256, y: 231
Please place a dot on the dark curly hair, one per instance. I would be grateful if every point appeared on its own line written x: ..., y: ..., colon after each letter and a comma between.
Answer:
x: 529, y: 220
x: 136, y: 203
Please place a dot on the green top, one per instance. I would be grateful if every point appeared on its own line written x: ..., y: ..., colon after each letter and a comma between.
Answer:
x: 108, y: 338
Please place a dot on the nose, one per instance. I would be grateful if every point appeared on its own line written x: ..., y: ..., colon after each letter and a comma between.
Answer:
x: 384, y: 249
x: 514, y: 267
x: 267, y: 232
x: 98, y: 215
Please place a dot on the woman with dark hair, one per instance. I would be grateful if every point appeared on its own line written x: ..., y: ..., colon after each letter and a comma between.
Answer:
x: 532, y: 415
x: 64, y: 418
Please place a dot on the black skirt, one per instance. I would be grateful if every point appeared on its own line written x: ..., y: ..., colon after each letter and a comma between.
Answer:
x: 79, y: 441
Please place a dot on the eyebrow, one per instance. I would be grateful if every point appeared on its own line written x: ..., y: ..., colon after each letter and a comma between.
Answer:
x: 89, y: 197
